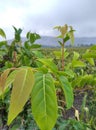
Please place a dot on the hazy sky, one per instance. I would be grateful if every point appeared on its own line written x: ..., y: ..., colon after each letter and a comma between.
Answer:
x: 42, y: 15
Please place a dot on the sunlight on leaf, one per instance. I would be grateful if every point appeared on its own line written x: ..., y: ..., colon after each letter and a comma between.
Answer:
x: 44, y: 103
x: 22, y: 87
x: 67, y: 89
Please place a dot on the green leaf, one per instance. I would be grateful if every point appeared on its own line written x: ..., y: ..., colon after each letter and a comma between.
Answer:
x: 22, y: 87
x: 86, y: 79
x: 76, y: 82
x: 71, y: 34
x: 57, y: 54
x: 66, y: 38
x: 2, y: 33
x: 68, y: 73
x: 32, y: 37
x: 8, y: 64
x: 26, y: 61
x: 78, y: 63
x: 43, y: 69
x: 67, y: 89
x: 91, y: 61
x: 76, y: 55
x: 35, y: 46
x: 15, y: 28
x: 17, y: 34
x: 60, y: 36
x: 28, y: 35
x: 90, y: 54
x: 93, y: 47
x: 49, y: 64
x: 44, y: 102
x: 66, y: 54
x: 3, y: 43
x: 60, y: 43
x: 26, y: 45
x: 38, y: 54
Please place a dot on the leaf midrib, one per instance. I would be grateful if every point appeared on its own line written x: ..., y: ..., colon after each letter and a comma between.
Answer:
x: 25, y: 75
x: 44, y: 93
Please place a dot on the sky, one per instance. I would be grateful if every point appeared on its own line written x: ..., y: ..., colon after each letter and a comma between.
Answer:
x: 41, y: 16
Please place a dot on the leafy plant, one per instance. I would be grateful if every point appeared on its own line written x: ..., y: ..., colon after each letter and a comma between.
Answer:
x: 43, y: 92
x: 46, y: 84
x: 66, y: 34
x: 42, y: 89
x: 72, y: 124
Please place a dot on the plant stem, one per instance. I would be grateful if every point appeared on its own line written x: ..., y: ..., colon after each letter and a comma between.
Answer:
x: 62, y: 55
x: 14, y: 57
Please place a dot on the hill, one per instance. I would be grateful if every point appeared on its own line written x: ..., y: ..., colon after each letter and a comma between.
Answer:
x: 53, y: 42
x: 49, y: 41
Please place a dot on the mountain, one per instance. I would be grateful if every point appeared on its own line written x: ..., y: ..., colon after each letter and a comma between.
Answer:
x: 79, y: 41
x: 49, y: 41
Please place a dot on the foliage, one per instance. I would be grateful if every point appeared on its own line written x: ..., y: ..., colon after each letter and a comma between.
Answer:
x: 35, y: 87
x: 65, y: 35
x: 44, y: 95
x: 29, y: 84
x: 72, y: 124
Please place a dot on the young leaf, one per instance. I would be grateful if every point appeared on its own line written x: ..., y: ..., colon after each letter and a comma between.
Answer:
x: 78, y: 63
x: 10, y: 79
x: 91, y: 61
x: 57, y: 54
x: 8, y: 82
x: 63, y: 30
x: 86, y: 79
x: 28, y: 35
x: 49, y: 64
x: 17, y: 34
x: 90, y: 54
x: 76, y: 55
x: 57, y: 27
x: 44, y: 102
x: 38, y: 54
x: 71, y: 34
x: 22, y: 87
x: 67, y: 89
x: 76, y: 82
x: 3, y: 78
x: 32, y: 37
x: 68, y: 72
x: 16, y: 30
x: 2, y: 33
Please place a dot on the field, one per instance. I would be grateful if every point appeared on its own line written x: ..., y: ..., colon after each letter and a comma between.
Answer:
x: 46, y: 88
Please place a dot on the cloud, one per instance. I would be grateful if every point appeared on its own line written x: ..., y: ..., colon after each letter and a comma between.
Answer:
x: 42, y: 15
